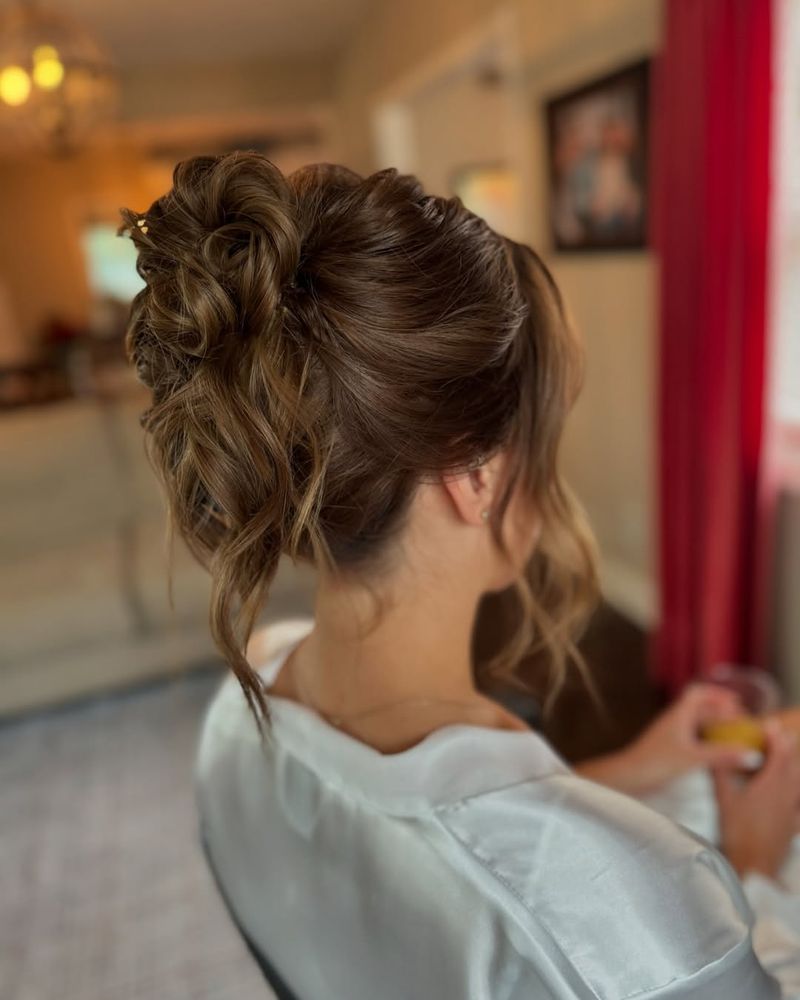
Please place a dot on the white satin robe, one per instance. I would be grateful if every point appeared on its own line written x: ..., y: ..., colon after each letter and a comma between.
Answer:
x: 474, y: 866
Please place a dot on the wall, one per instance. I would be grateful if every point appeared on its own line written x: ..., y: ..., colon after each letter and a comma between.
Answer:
x: 609, y: 453
x: 230, y: 88
x: 610, y: 450
x: 445, y: 136
x: 43, y: 203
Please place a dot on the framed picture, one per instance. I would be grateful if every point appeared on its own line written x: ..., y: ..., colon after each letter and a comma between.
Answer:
x: 597, y: 150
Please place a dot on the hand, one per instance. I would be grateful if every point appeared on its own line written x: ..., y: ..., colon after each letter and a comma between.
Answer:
x: 758, y: 814
x: 672, y: 745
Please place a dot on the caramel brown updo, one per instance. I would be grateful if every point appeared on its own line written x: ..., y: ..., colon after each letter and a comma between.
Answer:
x: 317, y: 345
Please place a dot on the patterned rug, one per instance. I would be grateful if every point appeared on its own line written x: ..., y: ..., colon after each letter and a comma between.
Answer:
x: 104, y: 893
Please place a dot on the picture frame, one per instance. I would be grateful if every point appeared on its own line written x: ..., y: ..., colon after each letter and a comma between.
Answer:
x: 597, y: 149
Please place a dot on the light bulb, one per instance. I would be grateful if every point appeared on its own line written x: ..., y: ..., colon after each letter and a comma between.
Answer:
x: 42, y: 52
x: 48, y: 73
x: 15, y: 85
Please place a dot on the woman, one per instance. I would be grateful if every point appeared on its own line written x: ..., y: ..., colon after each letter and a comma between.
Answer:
x: 363, y: 377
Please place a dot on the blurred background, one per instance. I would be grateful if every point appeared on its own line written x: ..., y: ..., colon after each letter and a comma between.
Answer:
x: 649, y: 149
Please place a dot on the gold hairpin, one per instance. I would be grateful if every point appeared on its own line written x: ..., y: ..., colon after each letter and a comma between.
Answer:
x: 142, y: 224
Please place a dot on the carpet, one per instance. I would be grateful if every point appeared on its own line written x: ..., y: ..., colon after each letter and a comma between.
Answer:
x: 104, y: 892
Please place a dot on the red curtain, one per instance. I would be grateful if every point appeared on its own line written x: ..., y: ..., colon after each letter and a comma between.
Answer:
x: 712, y: 136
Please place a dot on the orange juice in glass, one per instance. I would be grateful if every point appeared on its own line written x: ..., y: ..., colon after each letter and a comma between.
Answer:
x: 759, y: 695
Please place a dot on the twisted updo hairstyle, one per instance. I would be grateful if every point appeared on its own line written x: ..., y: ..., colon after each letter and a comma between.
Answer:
x: 319, y: 344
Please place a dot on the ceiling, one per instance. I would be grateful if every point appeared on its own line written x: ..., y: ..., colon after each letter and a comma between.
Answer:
x: 169, y: 32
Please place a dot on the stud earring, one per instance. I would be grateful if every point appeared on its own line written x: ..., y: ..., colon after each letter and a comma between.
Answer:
x: 485, y: 515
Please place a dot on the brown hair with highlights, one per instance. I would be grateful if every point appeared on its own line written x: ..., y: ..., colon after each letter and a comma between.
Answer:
x: 319, y: 344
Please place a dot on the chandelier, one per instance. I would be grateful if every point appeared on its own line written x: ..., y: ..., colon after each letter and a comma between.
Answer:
x: 56, y: 83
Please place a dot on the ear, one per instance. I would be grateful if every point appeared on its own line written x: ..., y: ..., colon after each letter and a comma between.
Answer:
x: 472, y: 492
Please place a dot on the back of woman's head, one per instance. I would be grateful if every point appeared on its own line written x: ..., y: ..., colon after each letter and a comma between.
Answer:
x: 317, y: 345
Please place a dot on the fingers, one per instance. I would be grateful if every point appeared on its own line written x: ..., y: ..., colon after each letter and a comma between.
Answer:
x: 727, y: 787
x: 782, y: 765
x: 704, y: 703
x: 778, y: 778
x: 729, y: 758
x: 713, y: 701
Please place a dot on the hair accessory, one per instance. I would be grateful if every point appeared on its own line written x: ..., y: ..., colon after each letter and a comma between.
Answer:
x: 142, y: 223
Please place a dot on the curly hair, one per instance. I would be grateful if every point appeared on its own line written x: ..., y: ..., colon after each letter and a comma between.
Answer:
x: 319, y: 344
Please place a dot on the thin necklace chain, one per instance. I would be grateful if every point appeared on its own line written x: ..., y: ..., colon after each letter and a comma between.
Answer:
x: 338, y: 719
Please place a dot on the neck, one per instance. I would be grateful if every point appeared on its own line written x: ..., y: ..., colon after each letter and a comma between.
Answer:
x: 360, y: 653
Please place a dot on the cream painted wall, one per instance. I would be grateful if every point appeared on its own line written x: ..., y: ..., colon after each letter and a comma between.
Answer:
x: 610, y: 447
x: 229, y: 88
x: 445, y: 136
x: 609, y: 453
x: 43, y: 203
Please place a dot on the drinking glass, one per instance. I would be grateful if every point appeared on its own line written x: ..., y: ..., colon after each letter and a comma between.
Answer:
x: 757, y: 688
